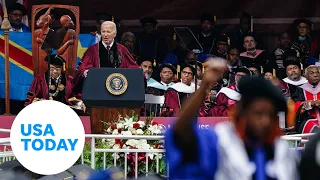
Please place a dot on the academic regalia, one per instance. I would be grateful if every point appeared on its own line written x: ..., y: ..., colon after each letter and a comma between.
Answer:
x: 306, y: 46
x: 226, y: 152
x: 151, y: 45
x: 157, y: 89
x: 39, y: 89
x: 221, y: 38
x: 221, y: 154
x: 60, y: 88
x: 226, y: 99
x: 227, y: 96
x: 259, y: 58
x: 207, y: 41
x: 283, y: 87
x: 310, y: 119
x: 294, y: 84
x: 175, y: 95
x: 97, y: 56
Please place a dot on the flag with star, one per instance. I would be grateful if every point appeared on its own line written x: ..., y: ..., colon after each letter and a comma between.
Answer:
x: 21, y: 67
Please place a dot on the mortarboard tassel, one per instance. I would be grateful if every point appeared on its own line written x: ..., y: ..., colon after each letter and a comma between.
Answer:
x: 261, y: 69
x: 64, y: 67
x: 214, y: 18
x: 178, y: 71
x: 298, y: 53
x: 274, y: 73
x: 174, y: 36
x: 154, y: 63
x: 228, y: 41
x: 112, y: 19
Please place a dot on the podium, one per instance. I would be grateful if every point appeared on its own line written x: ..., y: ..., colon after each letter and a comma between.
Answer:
x: 112, y: 91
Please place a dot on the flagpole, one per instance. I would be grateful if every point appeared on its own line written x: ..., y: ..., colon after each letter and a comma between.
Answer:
x: 6, y: 27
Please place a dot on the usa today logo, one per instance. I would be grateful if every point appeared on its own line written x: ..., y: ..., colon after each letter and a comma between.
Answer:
x: 47, y: 137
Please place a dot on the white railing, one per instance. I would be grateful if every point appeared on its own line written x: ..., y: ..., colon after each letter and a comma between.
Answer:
x: 5, y: 155
x: 299, y: 140
x: 115, y: 152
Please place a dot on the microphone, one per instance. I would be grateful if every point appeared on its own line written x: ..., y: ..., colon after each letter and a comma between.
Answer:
x: 111, y: 57
x: 119, y: 59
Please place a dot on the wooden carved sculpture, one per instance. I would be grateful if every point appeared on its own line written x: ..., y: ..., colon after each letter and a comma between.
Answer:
x: 65, y: 39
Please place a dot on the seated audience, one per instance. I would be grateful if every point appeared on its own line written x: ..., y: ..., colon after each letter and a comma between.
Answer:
x: 177, y: 93
x: 228, y: 96
x: 222, y: 43
x: 284, y: 44
x: 167, y: 72
x: 294, y: 78
x: 254, y: 56
x: 307, y: 102
x: 270, y: 76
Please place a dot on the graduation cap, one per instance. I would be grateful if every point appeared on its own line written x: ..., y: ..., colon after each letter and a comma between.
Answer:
x: 223, y: 38
x: 208, y: 17
x: 106, y: 17
x: 251, y: 34
x: 143, y: 59
x: 287, y: 63
x: 170, y: 66
x: 259, y: 68
x: 256, y: 87
x: 290, y: 53
x: 306, y: 21
x: 55, y: 60
x: 243, y: 70
x: 18, y: 6
x: 269, y: 70
x: 146, y: 20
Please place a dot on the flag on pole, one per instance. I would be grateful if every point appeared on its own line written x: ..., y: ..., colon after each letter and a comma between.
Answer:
x: 1, y: 12
x: 25, y: 18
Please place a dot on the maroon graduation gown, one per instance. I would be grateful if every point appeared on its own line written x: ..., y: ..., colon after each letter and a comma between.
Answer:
x: 175, y: 95
x: 222, y: 104
x: 39, y: 89
x: 91, y: 59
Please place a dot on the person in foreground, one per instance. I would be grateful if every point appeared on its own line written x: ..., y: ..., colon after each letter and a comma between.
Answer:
x: 249, y: 147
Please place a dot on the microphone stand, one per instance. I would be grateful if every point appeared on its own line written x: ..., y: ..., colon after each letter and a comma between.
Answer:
x: 197, y: 52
